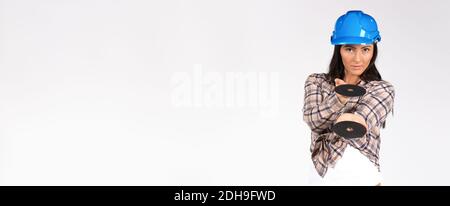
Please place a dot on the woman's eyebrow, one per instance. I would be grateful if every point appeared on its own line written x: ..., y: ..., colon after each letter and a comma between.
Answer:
x: 349, y: 46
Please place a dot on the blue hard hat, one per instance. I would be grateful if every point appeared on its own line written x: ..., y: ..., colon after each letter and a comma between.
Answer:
x: 355, y: 27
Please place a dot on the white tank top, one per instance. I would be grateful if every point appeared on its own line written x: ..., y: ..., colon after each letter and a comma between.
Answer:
x: 352, y: 169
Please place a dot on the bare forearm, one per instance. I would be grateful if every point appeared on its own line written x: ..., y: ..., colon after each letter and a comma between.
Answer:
x: 351, y: 117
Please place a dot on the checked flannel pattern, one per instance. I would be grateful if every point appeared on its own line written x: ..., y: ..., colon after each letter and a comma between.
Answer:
x: 322, y: 107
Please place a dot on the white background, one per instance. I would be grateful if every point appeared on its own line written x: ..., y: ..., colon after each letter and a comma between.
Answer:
x: 85, y: 90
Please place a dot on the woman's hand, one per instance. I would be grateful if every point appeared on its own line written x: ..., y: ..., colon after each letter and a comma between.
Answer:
x: 342, y: 99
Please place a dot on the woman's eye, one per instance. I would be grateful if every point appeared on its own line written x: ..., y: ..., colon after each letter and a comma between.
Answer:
x: 366, y: 49
x: 348, y: 49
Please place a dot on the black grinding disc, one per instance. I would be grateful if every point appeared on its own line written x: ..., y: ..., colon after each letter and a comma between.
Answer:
x: 349, y: 129
x: 350, y: 90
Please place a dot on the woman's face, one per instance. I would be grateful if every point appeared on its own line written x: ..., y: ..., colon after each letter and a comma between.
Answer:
x: 356, y: 58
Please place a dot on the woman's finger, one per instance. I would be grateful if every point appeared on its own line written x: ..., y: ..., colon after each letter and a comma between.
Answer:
x: 339, y: 81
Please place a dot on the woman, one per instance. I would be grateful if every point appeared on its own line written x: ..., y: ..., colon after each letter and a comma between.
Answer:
x: 336, y: 160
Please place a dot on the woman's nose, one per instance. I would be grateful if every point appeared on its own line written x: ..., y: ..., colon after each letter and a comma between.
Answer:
x: 357, y: 57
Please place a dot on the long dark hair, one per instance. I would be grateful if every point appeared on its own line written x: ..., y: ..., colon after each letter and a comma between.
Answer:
x: 336, y: 68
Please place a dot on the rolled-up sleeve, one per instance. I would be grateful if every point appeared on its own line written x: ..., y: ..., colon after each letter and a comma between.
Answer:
x: 374, y: 108
x: 318, y: 111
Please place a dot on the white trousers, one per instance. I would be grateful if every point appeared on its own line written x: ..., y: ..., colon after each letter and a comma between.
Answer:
x: 353, y: 169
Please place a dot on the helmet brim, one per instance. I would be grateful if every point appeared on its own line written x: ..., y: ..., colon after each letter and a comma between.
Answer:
x: 352, y: 40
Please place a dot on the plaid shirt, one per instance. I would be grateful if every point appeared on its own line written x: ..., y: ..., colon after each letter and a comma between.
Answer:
x: 322, y: 107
